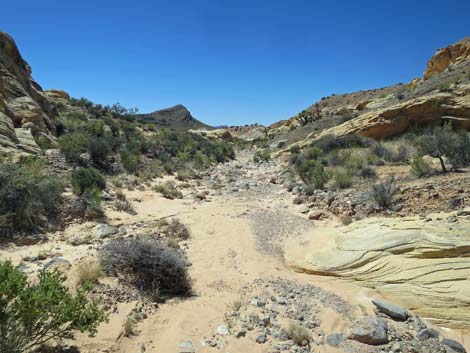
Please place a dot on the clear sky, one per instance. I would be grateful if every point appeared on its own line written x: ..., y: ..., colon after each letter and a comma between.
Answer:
x: 228, y: 61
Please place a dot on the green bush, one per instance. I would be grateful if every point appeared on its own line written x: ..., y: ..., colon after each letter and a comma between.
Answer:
x: 383, y: 192
x: 444, y: 142
x: 342, y: 178
x: 130, y: 160
x: 85, y: 179
x: 262, y: 155
x: 34, y: 314
x: 419, y: 167
x: 312, y: 173
x: 99, y: 150
x: 28, y: 195
x: 72, y: 145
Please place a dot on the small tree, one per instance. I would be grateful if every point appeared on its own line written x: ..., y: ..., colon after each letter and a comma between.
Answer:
x: 84, y: 179
x: 33, y: 314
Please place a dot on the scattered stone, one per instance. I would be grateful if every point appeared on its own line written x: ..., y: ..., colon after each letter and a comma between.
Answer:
x: 391, y: 310
x: 222, y: 330
x: 57, y: 262
x: 370, y: 330
x: 261, y: 338
x: 335, y: 339
x: 456, y: 346
x: 186, y: 347
x: 426, y: 334
x: 316, y: 215
x: 105, y: 230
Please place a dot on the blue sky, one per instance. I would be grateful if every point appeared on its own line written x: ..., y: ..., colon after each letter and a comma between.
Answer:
x: 229, y: 62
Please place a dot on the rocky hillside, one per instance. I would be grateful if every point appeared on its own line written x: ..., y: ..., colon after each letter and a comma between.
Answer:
x: 443, y: 94
x: 178, y: 118
x: 24, y: 107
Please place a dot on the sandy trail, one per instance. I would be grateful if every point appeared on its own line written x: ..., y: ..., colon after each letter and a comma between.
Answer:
x: 225, y: 255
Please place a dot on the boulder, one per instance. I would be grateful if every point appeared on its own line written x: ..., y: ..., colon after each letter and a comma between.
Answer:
x: 370, y: 330
x: 335, y: 339
x: 391, y: 310
x: 454, y: 345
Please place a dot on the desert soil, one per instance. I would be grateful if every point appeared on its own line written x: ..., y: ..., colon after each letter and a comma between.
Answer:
x: 236, y: 252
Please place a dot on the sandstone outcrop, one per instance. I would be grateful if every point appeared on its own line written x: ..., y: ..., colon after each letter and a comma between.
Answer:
x: 443, y: 58
x: 396, y: 119
x: 408, y: 261
x: 23, y: 104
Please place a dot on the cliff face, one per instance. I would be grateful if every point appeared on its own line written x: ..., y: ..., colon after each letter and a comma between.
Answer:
x: 24, y: 108
x: 443, y: 58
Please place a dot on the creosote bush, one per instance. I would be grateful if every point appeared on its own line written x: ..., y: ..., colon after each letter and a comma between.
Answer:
x: 28, y: 196
x: 176, y: 229
x: 149, y: 264
x: 85, y: 179
x: 34, y: 314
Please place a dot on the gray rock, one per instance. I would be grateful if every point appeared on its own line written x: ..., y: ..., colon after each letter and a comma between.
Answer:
x: 186, y: 347
x: 391, y: 310
x: 456, y: 346
x: 261, y: 338
x: 105, y: 230
x: 222, y: 330
x: 370, y: 330
x: 427, y: 333
x: 335, y: 339
x: 57, y: 262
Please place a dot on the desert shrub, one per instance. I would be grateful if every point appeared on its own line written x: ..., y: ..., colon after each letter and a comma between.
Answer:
x: 312, y: 173
x: 168, y: 189
x: 380, y: 151
x: 299, y: 334
x: 176, y: 229
x: 147, y: 263
x: 130, y: 159
x: 90, y: 201
x: 99, y: 150
x: 72, y: 145
x: 312, y: 153
x: 294, y: 149
x: 88, y: 273
x: 84, y: 179
x: 366, y: 172
x: 329, y: 143
x: 44, y: 143
x: 262, y: 155
x: 28, y: 195
x: 444, y: 142
x: 342, y: 178
x: 382, y: 193
x: 419, y: 167
x: 124, y: 206
x: 445, y: 87
x: 34, y: 314
x: 185, y: 174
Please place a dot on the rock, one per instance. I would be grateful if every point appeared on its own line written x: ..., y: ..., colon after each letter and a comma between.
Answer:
x: 407, y: 260
x: 105, y: 230
x: 456, y: 346
x: 222, y: 330
x: 396, y: 347
x: 391, y: 310
x: 445, y: 57
x: 304, y: 209
x: 427, y: 333
x: 261, y: 338
x: 23, y: 104
x: 316, y: 215
x: 370, y: 330
x: 335, y: 339
x: 186, y: 347
x: 57, y: 262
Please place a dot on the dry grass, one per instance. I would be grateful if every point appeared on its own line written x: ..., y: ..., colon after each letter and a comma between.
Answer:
x: 88, y: 273
x: 299, y: 334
